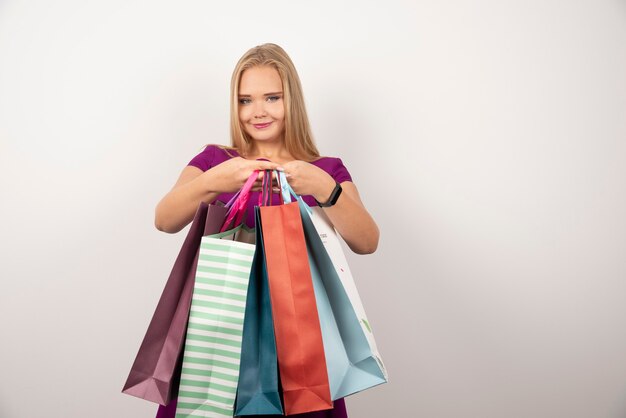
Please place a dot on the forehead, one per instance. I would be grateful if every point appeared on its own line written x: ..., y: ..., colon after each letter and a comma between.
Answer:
x: 260, y: 80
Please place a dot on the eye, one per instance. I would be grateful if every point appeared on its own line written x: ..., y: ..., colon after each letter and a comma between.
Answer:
x: 272, y: 99
x: 244, y: 101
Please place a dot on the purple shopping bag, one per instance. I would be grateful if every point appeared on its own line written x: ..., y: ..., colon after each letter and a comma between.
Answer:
x: 156, y: 370
x: 153, y: 374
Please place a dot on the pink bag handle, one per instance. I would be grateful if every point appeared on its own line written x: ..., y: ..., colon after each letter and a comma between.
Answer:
x: 263, y: 195
x: 238, y: 205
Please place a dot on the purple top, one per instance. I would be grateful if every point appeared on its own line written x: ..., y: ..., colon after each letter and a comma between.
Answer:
x: 214, y: 155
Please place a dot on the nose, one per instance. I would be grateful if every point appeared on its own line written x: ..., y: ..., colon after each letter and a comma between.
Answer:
x: 259, y: 110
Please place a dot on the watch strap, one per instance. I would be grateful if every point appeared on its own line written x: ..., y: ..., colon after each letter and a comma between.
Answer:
x: 334, y: 195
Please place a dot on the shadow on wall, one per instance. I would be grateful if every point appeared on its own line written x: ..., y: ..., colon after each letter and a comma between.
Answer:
x: 391, y: 285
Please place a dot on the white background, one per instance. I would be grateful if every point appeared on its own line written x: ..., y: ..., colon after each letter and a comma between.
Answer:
x: 487, y: 139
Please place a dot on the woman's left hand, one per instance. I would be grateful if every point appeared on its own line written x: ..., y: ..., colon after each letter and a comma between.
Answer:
x: 349, y: 216
x: 308, y: 179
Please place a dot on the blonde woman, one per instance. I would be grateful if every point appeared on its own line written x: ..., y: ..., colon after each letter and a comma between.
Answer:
x: 270, y: 130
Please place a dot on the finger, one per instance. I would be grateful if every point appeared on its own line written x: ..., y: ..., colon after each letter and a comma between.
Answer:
x: 258, y: 183
x: 265, y: 165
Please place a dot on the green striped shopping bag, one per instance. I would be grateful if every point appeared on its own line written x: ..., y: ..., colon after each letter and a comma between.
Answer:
x: 211, y: 357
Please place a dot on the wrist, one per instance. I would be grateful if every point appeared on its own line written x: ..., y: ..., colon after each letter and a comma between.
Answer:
x: 209, y: 182
x: 214, y: 182
x: 325, y: 188
x: 330, y: 197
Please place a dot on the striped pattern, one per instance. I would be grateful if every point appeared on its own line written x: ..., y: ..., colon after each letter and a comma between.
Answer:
x: 210, y: 371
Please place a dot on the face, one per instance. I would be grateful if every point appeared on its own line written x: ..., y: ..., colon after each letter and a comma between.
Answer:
x: 261, y: 107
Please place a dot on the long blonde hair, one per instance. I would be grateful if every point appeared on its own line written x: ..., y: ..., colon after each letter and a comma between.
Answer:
x: 298, y: 138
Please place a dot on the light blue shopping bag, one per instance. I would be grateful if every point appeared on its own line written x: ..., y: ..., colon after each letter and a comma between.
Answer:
x: 352, y: 359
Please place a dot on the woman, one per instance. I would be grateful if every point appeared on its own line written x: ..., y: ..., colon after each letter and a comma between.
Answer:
x: 270, y: 130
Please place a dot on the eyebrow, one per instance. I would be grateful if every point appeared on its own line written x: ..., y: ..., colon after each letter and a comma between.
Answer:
x: 266, y: 94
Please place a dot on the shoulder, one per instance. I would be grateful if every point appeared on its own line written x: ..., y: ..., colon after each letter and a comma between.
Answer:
x: 335, y: 167
x: 211, y: 156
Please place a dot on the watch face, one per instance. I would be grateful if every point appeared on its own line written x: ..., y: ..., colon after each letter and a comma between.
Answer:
x: 335, y: 194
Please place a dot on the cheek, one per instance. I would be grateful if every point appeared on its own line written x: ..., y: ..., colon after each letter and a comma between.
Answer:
x: 242, y: 121
x: 243, y: 114
x: 279, y: 113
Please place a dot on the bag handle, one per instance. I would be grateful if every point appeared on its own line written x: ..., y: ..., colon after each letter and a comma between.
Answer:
x: 239, y: 202
x: 287, y: 192
x: 265, y: 197
x: 267, y: 191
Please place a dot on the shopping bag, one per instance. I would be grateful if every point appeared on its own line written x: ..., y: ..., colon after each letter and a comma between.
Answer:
x: 258, y: 389
x: 152, y: 375
x: 210, y: 364
x: 353, y: 361
x: 301, y: 360
x: 241, y: 235
x: 210, y: 368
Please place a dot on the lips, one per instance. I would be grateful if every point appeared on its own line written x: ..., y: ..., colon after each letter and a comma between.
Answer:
x: 261, y: 125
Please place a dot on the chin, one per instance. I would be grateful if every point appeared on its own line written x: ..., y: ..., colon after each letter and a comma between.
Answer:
x: 264, y: 138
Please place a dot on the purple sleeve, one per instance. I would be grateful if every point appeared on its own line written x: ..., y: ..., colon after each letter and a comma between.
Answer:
x: 334, y: 167
x: 205, y: 159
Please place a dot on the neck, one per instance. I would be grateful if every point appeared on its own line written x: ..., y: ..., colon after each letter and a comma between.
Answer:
x: 273, y: 151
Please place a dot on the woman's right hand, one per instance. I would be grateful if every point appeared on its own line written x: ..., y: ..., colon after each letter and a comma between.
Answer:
x: 230, y: 176
x: 179, y: 205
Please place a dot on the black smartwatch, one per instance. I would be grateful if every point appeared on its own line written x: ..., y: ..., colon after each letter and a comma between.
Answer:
x: 334, y: 195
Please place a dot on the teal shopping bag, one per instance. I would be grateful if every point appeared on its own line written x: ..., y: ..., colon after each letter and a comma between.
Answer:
x: 258, y: 391
x: 352, y: 358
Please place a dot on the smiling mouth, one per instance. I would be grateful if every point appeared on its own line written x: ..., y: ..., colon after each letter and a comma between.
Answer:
x: 262, y: 125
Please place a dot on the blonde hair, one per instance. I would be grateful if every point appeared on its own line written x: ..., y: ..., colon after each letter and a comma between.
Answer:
x: 298, y: 138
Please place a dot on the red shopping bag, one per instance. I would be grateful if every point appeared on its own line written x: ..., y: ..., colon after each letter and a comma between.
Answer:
x: 301, y: 359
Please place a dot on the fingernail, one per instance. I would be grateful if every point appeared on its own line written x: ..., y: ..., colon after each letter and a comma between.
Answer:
x: 280, y: 169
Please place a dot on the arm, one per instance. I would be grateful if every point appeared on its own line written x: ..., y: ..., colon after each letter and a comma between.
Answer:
x: 177, y: 208
x: 348, y: 215
x: 350, y: 218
